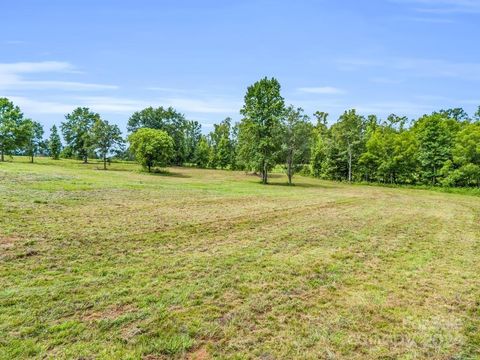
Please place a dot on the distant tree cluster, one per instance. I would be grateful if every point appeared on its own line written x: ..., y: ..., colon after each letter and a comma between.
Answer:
x: 442, y: 148
x: 84, y: 132
x: 18, y: 133
x: 87, y: 135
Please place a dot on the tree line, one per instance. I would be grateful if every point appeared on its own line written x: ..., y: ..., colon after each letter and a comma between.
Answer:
x: 442, y: 148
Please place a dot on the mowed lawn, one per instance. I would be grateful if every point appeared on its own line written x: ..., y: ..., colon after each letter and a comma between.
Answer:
x: 201, y: 264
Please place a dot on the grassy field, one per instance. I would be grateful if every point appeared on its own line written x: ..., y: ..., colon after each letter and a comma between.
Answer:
x: 201, y: 264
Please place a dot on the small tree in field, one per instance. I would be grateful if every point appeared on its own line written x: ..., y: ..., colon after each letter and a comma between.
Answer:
x: 54, y: 143
x: 77, y: 129
x: 105, y: 138
x: 297, y: 132
x: 11, y: 129
x: 152, y: 147
x: 33, y: 137
x: 202, y: 152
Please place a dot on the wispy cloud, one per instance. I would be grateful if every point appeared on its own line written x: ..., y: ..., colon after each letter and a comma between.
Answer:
x: 36, y: 67
x: 12, y: 77
x: 122, y: 105
x: 167, y: 89
x: 408, y: 108
x: 418, y: 67
x: 429, y: 20
x: 213, y: 105
x: 112, y: 104
x: 443, y: 7
x: 32, y: 106
x: 475, y: 102
x: 14, y: 42
x: 385, y: 80
x: 326, y: 90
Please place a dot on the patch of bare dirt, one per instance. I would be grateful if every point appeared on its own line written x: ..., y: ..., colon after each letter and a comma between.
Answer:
x: 109, y: 313
x: 199, y: 354
x: 8, y: 242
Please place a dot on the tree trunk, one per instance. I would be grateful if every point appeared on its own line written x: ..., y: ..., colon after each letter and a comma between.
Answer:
x: 289, y: 170
x: 148, y: 167
x: 3, y: 157
x: 264, y: 173
x: 349, y: 164
x: 32, y: 158
x: 104, y: 162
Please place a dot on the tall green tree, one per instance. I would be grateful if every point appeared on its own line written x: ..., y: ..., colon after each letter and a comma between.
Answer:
x: 77, y: 131
x: 318, y: 144
x: 54, y: 143
x: 477, y: 114
x: 390, y: 152
x: 297, y: 133
x: 168, y: 120
x: 260, y: 128
x: 458, y: 114
x: 464, y: 169
x: 105, y: 138
x: 193, y: 132
x: 33, y: 138
x: 348, y: 142
x: 435, y: 141
x: 152, y: 147
x: 202, y: 153
x: 11, y: 129
x: 221, y: 145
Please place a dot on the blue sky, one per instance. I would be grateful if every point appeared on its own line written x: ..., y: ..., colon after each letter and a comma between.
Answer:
x: 408, y: 57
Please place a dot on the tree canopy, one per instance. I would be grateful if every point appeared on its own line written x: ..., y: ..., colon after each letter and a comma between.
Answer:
x: 152, y: 147
x: 260, y: 129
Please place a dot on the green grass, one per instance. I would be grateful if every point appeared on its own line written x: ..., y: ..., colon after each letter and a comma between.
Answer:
x: 201, y: 264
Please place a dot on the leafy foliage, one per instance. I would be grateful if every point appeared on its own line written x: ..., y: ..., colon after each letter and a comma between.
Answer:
x: 202, y: 153
x: 221, y: 145
x: 54, y: 143
x: 105, y: 138
x: 152, y: 147
x: 33, y: 137
x: 77, y: 129
x: 297, y: 132
x: 13, y: 131
x: 260, y: 135
x: 173, y: 123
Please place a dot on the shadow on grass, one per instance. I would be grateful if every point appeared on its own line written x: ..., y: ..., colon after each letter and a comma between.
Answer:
x: 159, y: 172
x: 302, y: 185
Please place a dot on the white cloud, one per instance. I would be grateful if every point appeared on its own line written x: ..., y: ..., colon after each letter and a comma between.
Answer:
x: 418, y: 67
x: 326, y: 90
x: 16, y: 84
x: 443, y: 6
x: 470, y: 102
x: 166, y: 89
x: 35, y: 67
x: 112, y: 104
x: 12, y: 77
x: 95, y: 103
x: 119, y: 105
x: 15, y: 42
x: 212, y: 106
x: 430, y: 20
x: 30, y: 106
x: 385, y: 80
x: 398, y: 107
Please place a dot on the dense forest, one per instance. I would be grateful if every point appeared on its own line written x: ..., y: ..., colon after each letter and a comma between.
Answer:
x: 442, y: 148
